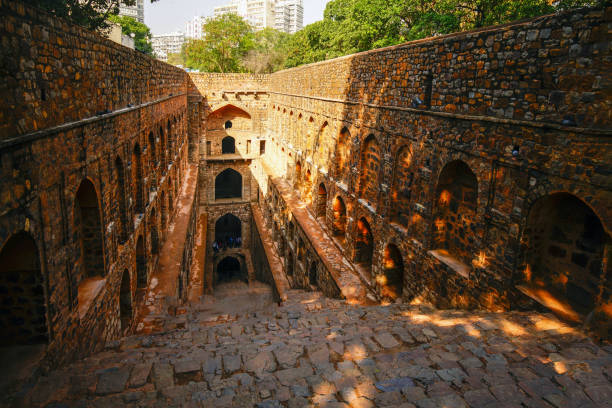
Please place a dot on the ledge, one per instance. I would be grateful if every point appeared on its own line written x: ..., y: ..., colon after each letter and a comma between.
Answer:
x: 453, y: 263
x: 229, y: 157
x: 89, y: 289
x: 548, y: 300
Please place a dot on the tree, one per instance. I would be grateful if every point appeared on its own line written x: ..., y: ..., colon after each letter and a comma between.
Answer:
x: 91, y: 14
x: 176, y: 59
x: 226, y: 41
x: 269, y: 52
x: 142, y: 33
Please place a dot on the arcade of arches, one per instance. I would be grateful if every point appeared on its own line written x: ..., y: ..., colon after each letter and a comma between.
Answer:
x: 494, y: 195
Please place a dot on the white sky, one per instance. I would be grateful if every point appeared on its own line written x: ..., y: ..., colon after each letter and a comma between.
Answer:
x: 165, y: 16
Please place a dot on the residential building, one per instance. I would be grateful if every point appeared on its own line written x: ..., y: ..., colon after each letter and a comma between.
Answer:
x: 136, y: 11
x: 164, y: 44
x: 289, y: 15
x: 259, y: 13
x: 193, y: 28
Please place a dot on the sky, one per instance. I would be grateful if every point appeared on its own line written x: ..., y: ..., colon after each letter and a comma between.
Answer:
x: 165, y: 16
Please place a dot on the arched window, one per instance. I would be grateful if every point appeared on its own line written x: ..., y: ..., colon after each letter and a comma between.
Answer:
x: 124, y: 226
x: 125, y: 302
x: 290, y: 263
x: 339, y: 217
x: 321, y: 201
x: 307, y: 195
x: 22, y: 298
x: 364, y: 244
x: 138, y: 178
x: 141, y: 264
x: 393, y: 269
x: 88, y: 230
x: 226, y: 227
x: 228, y: 124
x: 564, y: 255
x: 228, y: 145
x: 228, y: 184
x: 399, y: 204
x: 455, y: 211
x: 370, y: 170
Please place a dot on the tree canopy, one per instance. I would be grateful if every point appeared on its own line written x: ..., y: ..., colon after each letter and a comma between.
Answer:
x: 142, y: 33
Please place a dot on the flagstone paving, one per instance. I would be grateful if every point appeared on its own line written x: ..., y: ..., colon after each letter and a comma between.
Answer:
x: 313, y: 351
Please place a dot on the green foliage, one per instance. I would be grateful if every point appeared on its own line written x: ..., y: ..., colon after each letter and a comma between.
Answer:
x: 176, y: 59
x: 91, y: 14
x: 142, y: 33
x: 269, y: 52
x: 227, y: 40
x: 351, y: 26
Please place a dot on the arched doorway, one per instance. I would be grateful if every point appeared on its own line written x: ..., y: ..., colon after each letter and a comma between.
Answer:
x: 125, y: 301
x: 342, y: 165
x: 89, y: 231
x: 364, y: 244
x: 22, y: 298
x: 312, y: 274
x: 152, y: 153
x: 226, y: 227
x: 455, y: 211
x: 228, y: 145
x: 393, y: 269
x: 228, y: 184
x: 141, y: 264
x: 564, y: 248
x: 308, y: 186
x: 321, y: 201
x: 339, y: 218
x: 230, y: 269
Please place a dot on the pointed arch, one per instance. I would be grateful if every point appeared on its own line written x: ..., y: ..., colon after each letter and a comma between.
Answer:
x: 399, y: 203
x: 393, y: 273
x: 455, y: 211
x: 342, y: 164
x: 564, y: 251
x: 228, y: 226
x: 88, y: 227
x: 370, y: 170
x: 23, y: 319
x: 364, y: 244
x: 339, y: 217
x: 141, y: 264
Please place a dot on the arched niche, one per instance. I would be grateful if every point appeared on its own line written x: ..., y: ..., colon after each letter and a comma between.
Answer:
x: 228, y: 184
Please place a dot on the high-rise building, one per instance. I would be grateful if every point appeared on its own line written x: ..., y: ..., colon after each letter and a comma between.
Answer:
x: 136, y: 11
x: 193, y: 28
x: 284, y: 15
x: 164, y: 44
x: 289, y: 15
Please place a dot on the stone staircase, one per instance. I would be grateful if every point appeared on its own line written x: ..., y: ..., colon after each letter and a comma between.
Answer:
x: 238, y: 348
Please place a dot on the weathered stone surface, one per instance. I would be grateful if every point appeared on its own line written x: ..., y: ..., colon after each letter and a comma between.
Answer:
x: 112, y: 381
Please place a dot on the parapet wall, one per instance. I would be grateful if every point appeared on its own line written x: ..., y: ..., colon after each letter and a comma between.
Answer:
x: 53, y: 73
x: 546, y: 69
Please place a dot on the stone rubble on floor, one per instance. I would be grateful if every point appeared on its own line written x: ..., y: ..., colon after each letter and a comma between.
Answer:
x: 314, y: 351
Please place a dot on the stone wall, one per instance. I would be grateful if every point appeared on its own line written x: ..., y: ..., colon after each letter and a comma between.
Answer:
x: 93, y: 149
x: 516, y: 114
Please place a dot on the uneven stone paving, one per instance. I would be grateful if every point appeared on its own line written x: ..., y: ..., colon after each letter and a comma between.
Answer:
x: 314, y: 351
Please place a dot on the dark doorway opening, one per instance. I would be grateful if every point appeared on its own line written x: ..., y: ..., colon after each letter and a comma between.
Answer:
x: 228, y: 184
x: 229, y: 270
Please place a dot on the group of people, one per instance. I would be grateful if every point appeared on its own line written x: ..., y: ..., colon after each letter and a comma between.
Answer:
x: 228, y: 242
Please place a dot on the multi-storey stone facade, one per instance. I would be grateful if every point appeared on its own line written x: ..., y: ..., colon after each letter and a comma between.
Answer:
x: 470, y: 170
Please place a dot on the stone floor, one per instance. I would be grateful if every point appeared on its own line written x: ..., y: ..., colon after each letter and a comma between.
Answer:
x: 313, y: 351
